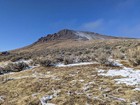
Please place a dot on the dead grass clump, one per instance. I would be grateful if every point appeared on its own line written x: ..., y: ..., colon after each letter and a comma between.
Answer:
x: 58, y: 59
x: 117, y: 54
x: 68, y: 60
x: 1, y: 70
x: 83, y: 58
x: 133, y: 56
x: 15, y: 67
x: 45, y: 62
x: 4, y: 78
x: 16, y: 58
x: 103, y: 59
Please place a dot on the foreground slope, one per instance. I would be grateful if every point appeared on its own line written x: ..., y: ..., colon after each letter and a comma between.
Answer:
x: 78, y: 85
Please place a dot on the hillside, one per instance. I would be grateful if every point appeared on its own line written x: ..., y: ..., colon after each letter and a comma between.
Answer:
x: 71, y: 69
x: 68, y: 38
x: 66, y: 34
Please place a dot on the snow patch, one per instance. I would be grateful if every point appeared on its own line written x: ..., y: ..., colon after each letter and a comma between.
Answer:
x: 35, y: 94
x: 45, y: 99
x: 134, y: 103
x: 137, y: 89
x: 49, y: 104
x: 81, y: 80
x: 76, y: 64
x: 2, y: 98
x: 82, y: 34
x: 25, y: 61
x: 129, y: 75
x: 115, y: 62
x: 101, y: 71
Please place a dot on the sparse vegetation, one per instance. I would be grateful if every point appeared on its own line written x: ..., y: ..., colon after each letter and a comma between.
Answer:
x: 14, y: 67
x: 74, y: 85
x: 77, y: 85
x: 68, y: 60
x: 133, y: 56
x: 45, y: 62
x: 89, y: 51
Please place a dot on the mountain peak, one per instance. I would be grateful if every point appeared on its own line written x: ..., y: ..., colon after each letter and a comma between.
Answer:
x: 66, y: 34
x: 65, y: 30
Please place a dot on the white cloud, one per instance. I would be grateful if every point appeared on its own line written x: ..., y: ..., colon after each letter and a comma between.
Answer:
x: 93, y: 25
x: 112, y: 27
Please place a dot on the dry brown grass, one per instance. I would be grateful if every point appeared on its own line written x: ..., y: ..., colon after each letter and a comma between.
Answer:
x: 134, y: 56
x: 86, y: 50
x: 74, y: 86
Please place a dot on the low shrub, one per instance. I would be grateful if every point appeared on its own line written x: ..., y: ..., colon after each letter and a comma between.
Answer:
x: 118, y: 54
x: 1, y: 70
x: 83, y: 58
x: 68, y: 60
x: 15, y: 67
x: 45, y: 62
x: 58, y: 59
x: 103, y: 58
x: 16, y: 58
x: 133, y: 55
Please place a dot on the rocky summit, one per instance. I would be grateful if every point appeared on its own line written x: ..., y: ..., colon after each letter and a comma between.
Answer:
x: 76, y: 35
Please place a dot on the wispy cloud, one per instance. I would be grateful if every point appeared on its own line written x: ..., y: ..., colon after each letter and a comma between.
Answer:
x: 112, y: 27
x: 93, y: 25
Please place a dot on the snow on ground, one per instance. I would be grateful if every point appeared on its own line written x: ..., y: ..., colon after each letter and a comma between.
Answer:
x: 137, y: 89
x: 49, y: 104
x: 35, y: 94
x: 134, y: 103
x: 44, y: 100
x: 129, y: 76
x: 116, y: 62
x: 82, y: 34
x: 75, y: 64
x: 25, y: 61
x: 2, y: 98
x: 9, y: 73
x: 3, y: 64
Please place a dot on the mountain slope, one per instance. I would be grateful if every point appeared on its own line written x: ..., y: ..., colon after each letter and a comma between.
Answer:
x: 76, y: 35
x: 67, y: 38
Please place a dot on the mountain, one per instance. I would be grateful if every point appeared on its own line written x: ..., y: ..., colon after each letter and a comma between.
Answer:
x: 66, y: 39
x: 76, y: 35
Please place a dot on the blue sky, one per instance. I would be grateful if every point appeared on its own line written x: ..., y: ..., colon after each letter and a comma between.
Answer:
x: 24, y: 21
